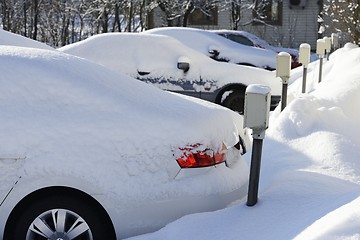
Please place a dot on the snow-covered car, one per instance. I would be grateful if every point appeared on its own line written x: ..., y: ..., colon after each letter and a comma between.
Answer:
x: 90, y: 154
x: 249, y: 39
x: 219, y: 48
x: 170, y: 65
x: 12, y: 39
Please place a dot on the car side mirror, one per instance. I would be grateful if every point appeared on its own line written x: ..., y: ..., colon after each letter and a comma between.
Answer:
x: 213, y: 50
x: 183, y: 64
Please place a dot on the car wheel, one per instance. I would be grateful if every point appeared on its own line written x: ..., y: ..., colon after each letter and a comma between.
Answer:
x: 60, y: 217
x: 235, y: 101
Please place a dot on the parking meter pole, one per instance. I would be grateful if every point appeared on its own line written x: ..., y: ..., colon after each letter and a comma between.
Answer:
x: 285, y: 81
x: 320, y: 68
x: 304, y: 59
x: 256, y: 117
x: 321, y: 46
x: 304, y: 80
x: 255, y: 170
x: 283, y: 68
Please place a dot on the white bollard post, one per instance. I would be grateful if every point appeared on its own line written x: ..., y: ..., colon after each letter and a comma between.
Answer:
x: 320, y: 51
x: 256, y: 117
x: 304, y: 59
x: 283, y: 67
x: 327, y: 47
x: 335, y: 40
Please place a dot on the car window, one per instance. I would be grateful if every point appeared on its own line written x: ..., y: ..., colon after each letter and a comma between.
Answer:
x: 241, y: 39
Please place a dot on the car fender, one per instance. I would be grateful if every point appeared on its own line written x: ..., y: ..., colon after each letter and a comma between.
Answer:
x: 27, y: 185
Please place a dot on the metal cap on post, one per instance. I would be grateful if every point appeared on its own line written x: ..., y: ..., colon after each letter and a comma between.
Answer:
x: 304, y: 59
x: 256, y: 117
x: 320, y: 47
x: 304, y: 54
x: 283, y: 68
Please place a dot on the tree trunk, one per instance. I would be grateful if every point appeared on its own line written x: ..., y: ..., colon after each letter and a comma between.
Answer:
x: 187, y: 13
x: 36, y: 19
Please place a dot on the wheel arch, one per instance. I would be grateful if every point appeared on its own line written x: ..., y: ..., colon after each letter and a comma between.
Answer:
x: 246, y: 64
x: 229, y: 87
x: 64, y: 190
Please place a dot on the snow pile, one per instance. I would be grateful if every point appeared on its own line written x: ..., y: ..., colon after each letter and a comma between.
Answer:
x: 310, y: 179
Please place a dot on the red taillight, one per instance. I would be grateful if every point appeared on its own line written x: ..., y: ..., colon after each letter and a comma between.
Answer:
x: 194, y: 157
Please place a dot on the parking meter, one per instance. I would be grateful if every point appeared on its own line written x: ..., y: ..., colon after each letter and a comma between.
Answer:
x: 320, y: 47
x: 283, y: 67
x: 327, y: 46
x: 304, y: 59
x: 320, y: 51
x: 257, y: 108
x: 335, y: 40
x: 256, y: 117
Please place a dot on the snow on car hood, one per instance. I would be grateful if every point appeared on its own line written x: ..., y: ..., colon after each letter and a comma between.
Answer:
x: 58, y: 110
x: 157, y: 55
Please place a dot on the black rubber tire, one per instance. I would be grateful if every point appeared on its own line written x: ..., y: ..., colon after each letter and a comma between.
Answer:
x: 235, y: 101
x: 93, y: 217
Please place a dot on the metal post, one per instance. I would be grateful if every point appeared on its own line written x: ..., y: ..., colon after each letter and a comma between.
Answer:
x: 304, y: 80
x: 320, y: 50
x: 284, y: 96
x: 254, y: 172
x: 283, y: 68
x: 320, y: 69
x: 285, y: 81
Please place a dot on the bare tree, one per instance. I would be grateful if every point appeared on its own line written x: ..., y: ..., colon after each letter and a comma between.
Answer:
x: 177, y: 12
x: 343, y: 17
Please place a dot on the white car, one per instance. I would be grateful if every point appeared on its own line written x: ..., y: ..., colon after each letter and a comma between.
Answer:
x: 86, y: 153
x: 248, y: 39
x: 12, y: 39
x: 219, y: 48
x: 170, y: 65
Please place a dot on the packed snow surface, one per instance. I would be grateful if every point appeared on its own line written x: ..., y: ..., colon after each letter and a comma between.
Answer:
x: 310, y: 176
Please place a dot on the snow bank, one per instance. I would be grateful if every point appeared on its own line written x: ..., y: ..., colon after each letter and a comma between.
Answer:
x: 310, y: 179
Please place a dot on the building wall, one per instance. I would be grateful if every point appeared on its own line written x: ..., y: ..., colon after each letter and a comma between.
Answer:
x: 298, y: 25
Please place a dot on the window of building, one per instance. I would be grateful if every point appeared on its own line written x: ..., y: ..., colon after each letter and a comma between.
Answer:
x: 200, y: 17
x: 268, y: 11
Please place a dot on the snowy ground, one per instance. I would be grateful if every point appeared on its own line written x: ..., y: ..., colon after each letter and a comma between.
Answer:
x: 310, y: 176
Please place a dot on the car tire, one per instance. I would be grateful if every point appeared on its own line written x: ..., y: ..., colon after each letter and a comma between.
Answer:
x: 235, y: 101
x: 60, y: 217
